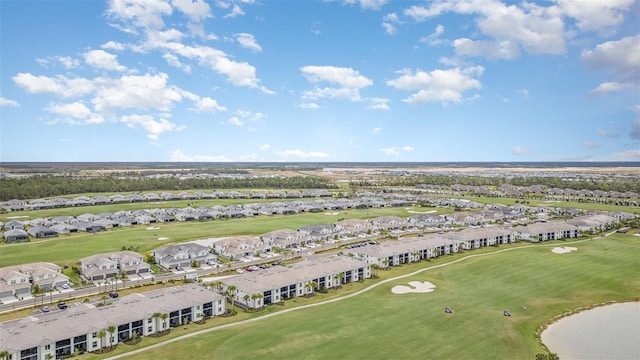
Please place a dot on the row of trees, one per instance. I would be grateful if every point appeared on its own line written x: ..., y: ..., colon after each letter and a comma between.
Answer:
x: 609, y: 184
x: 51, y: 186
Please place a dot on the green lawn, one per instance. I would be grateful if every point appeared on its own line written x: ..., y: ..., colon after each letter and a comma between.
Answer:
x: 381, y: 325
x: 68, y: 249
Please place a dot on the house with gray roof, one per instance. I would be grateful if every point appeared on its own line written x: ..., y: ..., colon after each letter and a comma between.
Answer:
x: 41, y: 232
x: 20, y: 279
x: 236, y: 247
x: 108, y: 265
x: 405, y: 250
x: 552, y: 230
x: 278, y: 283
x: 474, y: 238
x: 182, y: 255
x: 283, y: 238
x: 58, y: 334
x: 15, y: 235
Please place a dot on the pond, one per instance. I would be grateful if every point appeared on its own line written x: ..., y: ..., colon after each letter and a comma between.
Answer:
x: 609, y: 332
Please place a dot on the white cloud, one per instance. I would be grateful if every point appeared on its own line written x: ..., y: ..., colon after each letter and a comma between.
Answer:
x: 349, y: 82
x: 207, y: 104
x: 308, y: 105
x: 389, y: 23
x: 520, y: 151
x: 377, y: 131
x: 136, y: 91
x: 154, y: 128
x: 179, y: 156
x: 68, y: 62
x: 504, y: 49
x: 59, y: 85
x: 506, y: 28
x: 195, y: 11
x: 297, y: 153
x: 103, y: 60
x: 113, y: 45
x: 438, y: 85
x: 379, y: 104
x: 75, y: 113
x: 248, y: 41
x: 236, y: 11
x: 7, y: 102
x: 620, y: 59
x: 175, y: 62
x: 235, y: 121
x: 392, y: 150
x: 523, y: 92
x: 407, y: 148
x: 590, y: 144
x: 368, y: 4
x: 139, y: 14
x: 434, y: 38
x: 609, y: 87
x: 265, y: 147
x: 599, y: 16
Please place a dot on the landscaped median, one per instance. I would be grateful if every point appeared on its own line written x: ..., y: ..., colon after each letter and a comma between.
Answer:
x: 366, y: 320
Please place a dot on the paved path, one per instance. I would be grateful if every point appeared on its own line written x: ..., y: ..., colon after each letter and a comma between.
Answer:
x: 369, y: 288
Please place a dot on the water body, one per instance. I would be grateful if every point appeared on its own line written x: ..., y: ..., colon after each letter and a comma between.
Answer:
x: 609, y: 332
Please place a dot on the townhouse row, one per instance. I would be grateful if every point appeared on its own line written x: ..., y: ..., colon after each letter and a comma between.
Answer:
x: 89, y: 327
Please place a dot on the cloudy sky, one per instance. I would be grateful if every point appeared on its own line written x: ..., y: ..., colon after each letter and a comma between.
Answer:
x: 343, y: 80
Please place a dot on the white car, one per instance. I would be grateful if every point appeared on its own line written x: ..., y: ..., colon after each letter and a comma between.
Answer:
x: 239, y: 271
x: 65, y: 286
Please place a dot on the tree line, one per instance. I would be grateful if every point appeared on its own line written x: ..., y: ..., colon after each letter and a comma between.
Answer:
x: 608, y: 184
x: 51, y: 186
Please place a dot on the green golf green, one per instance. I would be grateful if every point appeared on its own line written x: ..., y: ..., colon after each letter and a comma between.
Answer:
x: 533, y: 283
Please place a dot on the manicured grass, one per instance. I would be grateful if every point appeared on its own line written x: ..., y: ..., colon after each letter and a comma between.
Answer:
x: 68, y: 249
x: 381, y: 325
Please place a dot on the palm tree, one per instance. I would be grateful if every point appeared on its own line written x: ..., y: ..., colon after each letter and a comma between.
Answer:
x: 218, y: 286
x: 385, y: 263
x: 156, y: 316
x: 4, y: 354
x: 104, y: 299
x: 246, y: 298
x: 255, y: 297
x: 231, y: 291
x: 101, y: 335
x: 313, y: 286
x: 374, y: 268
x: 111, y: 329
x: 164, y: 318
x: 124, y: 278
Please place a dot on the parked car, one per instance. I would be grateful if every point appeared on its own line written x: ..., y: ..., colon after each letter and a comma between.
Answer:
x: 65, y: 286
x: 239, y: 271
x: 113, y: 294
x: 276, y: 263
x: 62, y: 305
x: 44, y: 309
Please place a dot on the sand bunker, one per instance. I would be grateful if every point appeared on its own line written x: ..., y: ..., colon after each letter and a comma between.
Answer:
x: 163, y: 238
x: 332, y: 213
x: 421, y: 212
x: 153, y: 228
x: 563, y: 250
x: 418, y: 287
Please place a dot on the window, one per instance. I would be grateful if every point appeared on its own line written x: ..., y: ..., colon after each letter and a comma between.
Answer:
x: 149, y: 320
x: 150, y: 329
x: 47, y: 347
x: 94, y: 344
x: 95, y: 334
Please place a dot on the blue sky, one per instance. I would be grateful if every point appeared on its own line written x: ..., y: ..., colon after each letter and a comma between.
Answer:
x: 368, y: 80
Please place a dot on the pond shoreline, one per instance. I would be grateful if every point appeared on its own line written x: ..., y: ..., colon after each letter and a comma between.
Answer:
x: 576, y: 311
